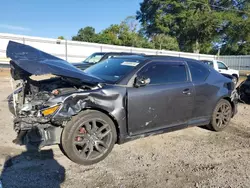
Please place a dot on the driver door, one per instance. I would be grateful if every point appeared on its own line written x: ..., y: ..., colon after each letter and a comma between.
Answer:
x: 166, y: 101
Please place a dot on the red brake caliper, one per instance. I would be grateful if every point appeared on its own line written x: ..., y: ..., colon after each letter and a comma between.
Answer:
x: 82, y: 130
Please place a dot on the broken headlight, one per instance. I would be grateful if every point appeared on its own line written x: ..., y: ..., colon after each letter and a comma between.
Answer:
x: 50, y: 110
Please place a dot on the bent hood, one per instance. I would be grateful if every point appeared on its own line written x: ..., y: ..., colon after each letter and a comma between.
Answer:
x: 32, y: 61
x: 82, y: 65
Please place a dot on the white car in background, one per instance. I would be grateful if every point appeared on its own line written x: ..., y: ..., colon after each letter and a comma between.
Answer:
x: 223, y: 69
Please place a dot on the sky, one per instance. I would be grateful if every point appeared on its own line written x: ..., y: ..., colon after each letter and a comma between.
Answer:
x: 53, y: 18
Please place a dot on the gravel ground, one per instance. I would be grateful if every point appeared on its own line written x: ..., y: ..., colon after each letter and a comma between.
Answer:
x: 193, y: 157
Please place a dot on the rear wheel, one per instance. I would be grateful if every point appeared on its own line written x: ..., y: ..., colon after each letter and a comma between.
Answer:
x: 89, y: 137
x: 221, y: 116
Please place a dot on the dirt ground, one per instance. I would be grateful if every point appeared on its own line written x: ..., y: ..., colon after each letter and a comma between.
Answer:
x: 193, y: 157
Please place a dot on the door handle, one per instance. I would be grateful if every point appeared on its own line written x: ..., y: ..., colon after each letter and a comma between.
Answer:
x: 186, y: 92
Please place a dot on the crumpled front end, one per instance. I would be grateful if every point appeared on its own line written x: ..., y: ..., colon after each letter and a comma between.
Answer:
x: 33, y: 105
x: 43, y: 108
x: 234, y: 100
x: 244, y: 91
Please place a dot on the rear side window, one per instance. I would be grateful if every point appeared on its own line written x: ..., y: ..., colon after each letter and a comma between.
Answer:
x: 163, y: 73
x: 199, y: 72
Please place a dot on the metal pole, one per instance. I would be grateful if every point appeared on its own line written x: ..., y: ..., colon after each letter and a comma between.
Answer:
x: 240, y: 59
x: 23, y: 40
x: 66, y: 50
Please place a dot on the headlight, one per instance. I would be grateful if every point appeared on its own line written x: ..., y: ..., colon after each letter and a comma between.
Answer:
x: 50, y: 110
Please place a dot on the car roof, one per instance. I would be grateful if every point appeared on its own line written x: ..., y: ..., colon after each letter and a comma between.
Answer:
x: 206, y: 60
x: 156, y: 57
x: 170, y: 58
x: 125, y: 53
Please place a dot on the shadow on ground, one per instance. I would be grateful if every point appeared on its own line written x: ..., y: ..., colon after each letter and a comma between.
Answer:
x: 32, y: 168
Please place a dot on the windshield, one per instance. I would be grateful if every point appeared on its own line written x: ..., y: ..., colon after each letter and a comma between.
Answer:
x: 209, y: 63
x: 94, y: 58
x: 112, y: 70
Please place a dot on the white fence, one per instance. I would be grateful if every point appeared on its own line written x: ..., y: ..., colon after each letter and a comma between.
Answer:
x: 73, y: 51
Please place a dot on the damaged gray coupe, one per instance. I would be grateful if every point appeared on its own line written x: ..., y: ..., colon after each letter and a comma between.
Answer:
x: 120, y: 99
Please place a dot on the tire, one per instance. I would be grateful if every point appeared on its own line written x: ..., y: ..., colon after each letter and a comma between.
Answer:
x: 89, y: 137
x: 221, y: 116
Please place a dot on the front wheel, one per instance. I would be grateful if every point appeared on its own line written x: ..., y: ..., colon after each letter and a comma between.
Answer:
x: 89, y: 137
x: 221, y: 116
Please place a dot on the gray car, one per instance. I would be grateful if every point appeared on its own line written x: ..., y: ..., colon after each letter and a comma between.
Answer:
x: 114, y: 101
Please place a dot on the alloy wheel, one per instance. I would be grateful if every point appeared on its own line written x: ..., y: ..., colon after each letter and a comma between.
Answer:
x: 92, y: 139
x: 223, y: 115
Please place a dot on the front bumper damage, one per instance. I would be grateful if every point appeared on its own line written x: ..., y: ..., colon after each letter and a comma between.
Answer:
x: 48, y: 130
x: 38, y: 131
x: 234, y: 101
x: 244, y: 91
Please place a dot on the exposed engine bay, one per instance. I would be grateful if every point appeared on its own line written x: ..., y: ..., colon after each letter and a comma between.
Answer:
x: 32, y: 95
x: 34, y: 102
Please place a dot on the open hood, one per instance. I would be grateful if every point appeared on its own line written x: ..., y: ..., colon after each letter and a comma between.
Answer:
x: 31, y: 61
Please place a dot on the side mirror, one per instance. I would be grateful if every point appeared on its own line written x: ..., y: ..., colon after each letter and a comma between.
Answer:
x: 141, y: 81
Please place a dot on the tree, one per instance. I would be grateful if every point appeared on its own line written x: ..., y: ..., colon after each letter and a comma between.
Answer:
x: 127, y: 33
x: 195, y: 24
x: 86, y: 34
x: 61, y: 38
x: 124, y: 34
x: 236, y: 38
x: 165, y: 42
x: 131, y: 23
x: 110, y: 35
x: 130, y: 36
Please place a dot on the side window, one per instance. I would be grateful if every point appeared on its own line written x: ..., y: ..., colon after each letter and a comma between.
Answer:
x: 163, y: 73
x: 199, y: 72
x: 221, y: 65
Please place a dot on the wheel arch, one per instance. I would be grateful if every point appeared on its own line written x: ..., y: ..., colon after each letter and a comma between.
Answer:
x: 225, y: 97
x: 235, y: 75
x: 232, y: 104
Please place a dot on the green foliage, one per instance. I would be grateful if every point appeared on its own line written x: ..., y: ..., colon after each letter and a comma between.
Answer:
x: 236, y: 39
x: 86, y: 34
x: 61, y: 38
x: 197, y: 24
x: 200, y: 26
x: 124, y: 34
x: 165, y: 42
